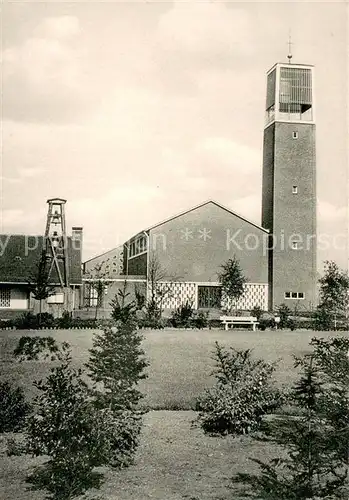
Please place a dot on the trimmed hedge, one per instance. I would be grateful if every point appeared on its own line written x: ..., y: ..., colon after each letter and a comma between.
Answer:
x: 29, y: 321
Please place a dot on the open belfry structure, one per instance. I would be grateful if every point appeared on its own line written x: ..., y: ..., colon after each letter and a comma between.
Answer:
x: 289, y: 183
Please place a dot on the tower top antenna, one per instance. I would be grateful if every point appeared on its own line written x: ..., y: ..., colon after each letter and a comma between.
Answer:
x: 290, y: 43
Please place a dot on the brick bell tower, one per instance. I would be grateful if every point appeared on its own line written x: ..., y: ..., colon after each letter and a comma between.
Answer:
x: 289, y: 185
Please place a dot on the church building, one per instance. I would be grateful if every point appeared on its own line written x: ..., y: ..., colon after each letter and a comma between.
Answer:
x: 278, y: 257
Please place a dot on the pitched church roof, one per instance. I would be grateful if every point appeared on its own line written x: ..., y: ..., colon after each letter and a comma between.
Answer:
x: 199, y: 206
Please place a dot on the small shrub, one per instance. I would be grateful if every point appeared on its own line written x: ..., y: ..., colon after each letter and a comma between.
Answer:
x: 244, y: 393
x: 122, y: 309
x: 47, y: 320
x: 65, y: 321
x: 214, y: 323
x: 84, y: 323
x: 322, y: 319
x: 15, y: 447
x: 30, y: 321
x: 7, y: 323
x: 153, y: 310
x: 13, y: 408
x: 26, y: 321
x: 200, y: 321
x: 265, y: 323
x: 256, y: 312
x: 181, y: 317
x: 153, y: 323
x: 35, y: 348
x: 284, y: 313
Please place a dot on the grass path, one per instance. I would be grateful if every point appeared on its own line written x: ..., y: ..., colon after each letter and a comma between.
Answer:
x: 174, y: 462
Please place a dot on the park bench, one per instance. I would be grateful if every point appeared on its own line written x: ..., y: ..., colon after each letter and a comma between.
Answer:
x: 231, y: 321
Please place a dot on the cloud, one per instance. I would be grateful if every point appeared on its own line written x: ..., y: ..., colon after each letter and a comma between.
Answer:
x: 30, y: 172
x: 43, y: 77
x: 328, y: 212
x: 206, y: 30
x: 194, y: 36
x: 11, y: 217
x: 58, y: 27
x: 19, y: 221
x: 248, y: 207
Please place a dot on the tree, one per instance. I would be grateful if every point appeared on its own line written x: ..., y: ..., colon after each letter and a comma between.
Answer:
x: 116, y: 365
x: 316, y: 441
x: 66, y: 424
x: 160, y: 285
x: 98, y: 281
x: 123, y: 309
x: 232, y: 280
x: 39, y: 284
x: 284, y: 313
x: 334, y: 291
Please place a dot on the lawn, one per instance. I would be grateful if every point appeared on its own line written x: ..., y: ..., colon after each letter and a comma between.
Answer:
x: 180, y: 360
x: 175, y: 461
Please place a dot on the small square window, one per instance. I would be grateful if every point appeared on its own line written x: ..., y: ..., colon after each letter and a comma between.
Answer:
x: 294, y: 295
x: 294, y: 245
x: 294, y: 135
x: 287, y: 295
x: 300, y: 295
x: 294, y: 189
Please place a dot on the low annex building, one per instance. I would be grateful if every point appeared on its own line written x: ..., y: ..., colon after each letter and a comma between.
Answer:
x: 19, y: 258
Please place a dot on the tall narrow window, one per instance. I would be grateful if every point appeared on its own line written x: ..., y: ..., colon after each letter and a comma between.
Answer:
x: 294, y: 189
x: 295, y: 135
x: 294, y: 245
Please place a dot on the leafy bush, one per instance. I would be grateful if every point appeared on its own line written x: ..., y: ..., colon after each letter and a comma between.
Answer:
x: 181, y: 317
x: 284, y: 312
x: 7, y: 323
x: 214, y: 323
x: 13, y: 408
x: 84, y: 323
x: 153, y: 323
x: 256, y: 312
x: 29, y: 321
x: 322, y: 319
x: 15, y: 447
x: 33, y: 348
x: 265, y: 323
x: 243, y: 394
x: 46, y: 321
x: 200, y: 320
x: 153, y: 311
x: 26, y: 321
x: 65, y: 321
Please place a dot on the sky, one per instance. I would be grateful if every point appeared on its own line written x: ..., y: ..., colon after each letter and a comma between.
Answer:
x: 135, y: 111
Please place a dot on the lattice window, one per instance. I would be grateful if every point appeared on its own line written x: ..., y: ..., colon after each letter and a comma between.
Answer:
x: 91, y: 296
x: 209, y: 296
x: 5, y: 297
